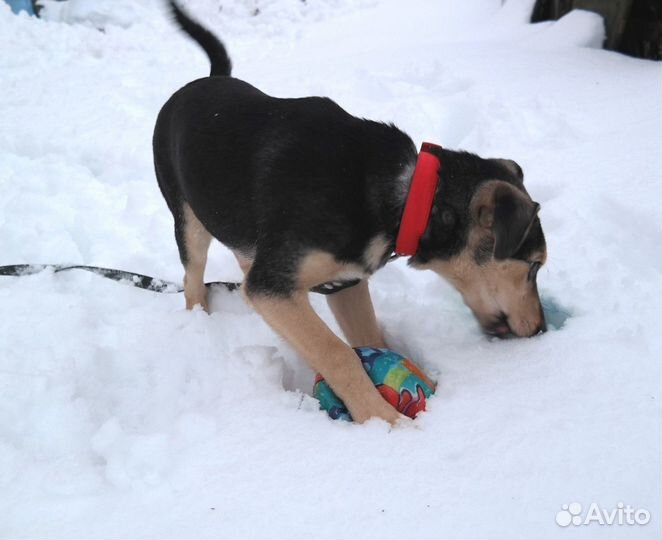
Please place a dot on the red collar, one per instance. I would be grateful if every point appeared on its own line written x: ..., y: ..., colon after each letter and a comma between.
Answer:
x: 418, y: 206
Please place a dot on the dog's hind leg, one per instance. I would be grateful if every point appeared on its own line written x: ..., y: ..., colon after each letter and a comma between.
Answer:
x: 193, y: 242
x: 192, y: 238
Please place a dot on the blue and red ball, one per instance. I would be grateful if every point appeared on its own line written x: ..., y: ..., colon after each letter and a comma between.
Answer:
x: 397, y: 378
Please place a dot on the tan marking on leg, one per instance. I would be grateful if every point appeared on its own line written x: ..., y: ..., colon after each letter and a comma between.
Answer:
x: 197, y: 240
x: 297, y: 322
x: 353, y: 309
x: 320, y: 267
x: 244, y: 262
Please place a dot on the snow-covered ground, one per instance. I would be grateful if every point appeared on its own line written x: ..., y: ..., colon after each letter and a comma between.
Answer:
x: 124, y: 416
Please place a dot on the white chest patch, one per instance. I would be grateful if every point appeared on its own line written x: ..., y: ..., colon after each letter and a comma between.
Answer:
x: 375, y: 253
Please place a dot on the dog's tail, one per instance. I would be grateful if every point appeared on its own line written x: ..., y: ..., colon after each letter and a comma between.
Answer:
x: 218, y: 55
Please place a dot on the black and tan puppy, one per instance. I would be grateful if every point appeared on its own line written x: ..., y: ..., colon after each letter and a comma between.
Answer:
x: 306, y: 195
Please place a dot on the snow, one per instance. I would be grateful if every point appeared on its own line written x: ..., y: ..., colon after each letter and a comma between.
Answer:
x: 124, y: 416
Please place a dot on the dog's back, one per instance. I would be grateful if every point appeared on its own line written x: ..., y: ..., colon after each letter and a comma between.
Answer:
x: 241, y: 158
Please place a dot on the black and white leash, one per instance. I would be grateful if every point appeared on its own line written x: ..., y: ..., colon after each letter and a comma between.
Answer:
x: 147, y: 282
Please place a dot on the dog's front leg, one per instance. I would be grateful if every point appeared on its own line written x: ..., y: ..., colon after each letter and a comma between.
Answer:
x: 352, y: 308
x: 294, y: 318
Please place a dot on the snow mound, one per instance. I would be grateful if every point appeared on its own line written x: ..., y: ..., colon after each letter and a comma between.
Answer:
x: 578, y: 28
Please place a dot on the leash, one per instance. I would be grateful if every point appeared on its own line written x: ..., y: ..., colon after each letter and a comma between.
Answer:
x: 149, y: 283
x: 137, y: 280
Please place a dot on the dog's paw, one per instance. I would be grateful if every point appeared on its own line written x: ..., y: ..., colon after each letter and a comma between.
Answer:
x: 404, y: 422
x: 198, y: 306
x: 380, y: 410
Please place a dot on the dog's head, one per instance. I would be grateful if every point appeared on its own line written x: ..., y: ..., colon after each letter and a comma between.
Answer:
x: 485, y: 238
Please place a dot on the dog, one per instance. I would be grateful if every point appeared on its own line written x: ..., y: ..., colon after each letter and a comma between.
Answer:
x: 309, y: 197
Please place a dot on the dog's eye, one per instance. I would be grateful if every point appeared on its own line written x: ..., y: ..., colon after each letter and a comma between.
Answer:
x: 533, y: 270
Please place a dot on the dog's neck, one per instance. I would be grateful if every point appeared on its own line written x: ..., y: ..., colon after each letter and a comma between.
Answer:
x: 391, y: 168
x: 419, y: 201
x: 390, y: 159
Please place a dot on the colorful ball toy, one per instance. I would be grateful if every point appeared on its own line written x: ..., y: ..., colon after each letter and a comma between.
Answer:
x: 397, y: 378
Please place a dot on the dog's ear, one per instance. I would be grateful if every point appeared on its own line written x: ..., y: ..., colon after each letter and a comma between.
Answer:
x: 509, y: 214
x: 512, y: 167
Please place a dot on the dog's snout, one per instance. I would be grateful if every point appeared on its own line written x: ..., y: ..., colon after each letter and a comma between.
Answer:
x: 542, y: 327
x: 537, y: 330
x: 502, y: 333
x: 499, y: 327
